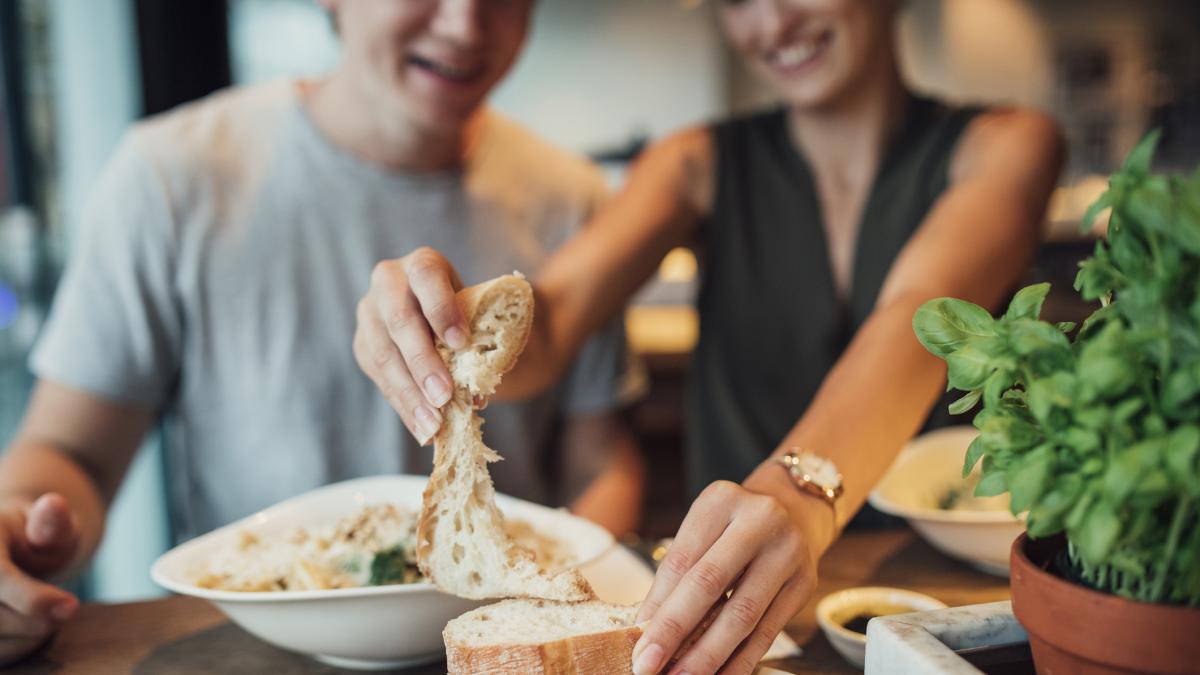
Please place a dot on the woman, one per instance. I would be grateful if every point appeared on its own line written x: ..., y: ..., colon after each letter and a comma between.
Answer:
x: 823, y: 226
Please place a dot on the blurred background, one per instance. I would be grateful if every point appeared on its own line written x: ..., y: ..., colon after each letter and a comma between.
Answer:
x: 597, y: 77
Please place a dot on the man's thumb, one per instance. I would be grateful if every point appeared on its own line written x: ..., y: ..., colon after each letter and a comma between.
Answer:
x: 49, y: 523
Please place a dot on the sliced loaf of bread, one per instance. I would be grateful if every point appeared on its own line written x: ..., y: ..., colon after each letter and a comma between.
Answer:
x: 462, y: 545
x: 540, y: 637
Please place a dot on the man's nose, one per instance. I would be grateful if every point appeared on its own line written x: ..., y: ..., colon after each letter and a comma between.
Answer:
x: 458, y: 20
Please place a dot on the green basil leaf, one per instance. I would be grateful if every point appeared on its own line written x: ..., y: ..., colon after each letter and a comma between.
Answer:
x: 975, y: 451
x: 997, y: 383
x: 1047, y: 393
x: 965, y: 403
x: 1137, y: 163
x: 1083, y: 440
x: 1027, y: 336
x: 1178, y: 390
x: 1031, y: 478
x: 968, y: 367
x: 1107, y: 375
x: 944, y: 325
x: 1183, y: 449
x: 1098, y: 534
x: 1010, y: 432
x: 1027, y: 303
x: 993, y: 483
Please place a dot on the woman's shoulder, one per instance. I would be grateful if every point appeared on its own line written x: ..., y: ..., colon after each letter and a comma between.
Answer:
x: 1009, y: 135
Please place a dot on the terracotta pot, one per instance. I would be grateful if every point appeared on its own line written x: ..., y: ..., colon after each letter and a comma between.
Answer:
x: 1074, y: 630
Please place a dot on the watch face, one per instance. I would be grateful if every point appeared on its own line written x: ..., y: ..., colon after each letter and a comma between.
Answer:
x: 820, y: 470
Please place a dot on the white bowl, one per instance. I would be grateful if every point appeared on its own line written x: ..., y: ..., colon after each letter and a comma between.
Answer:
x: 836, y: 609
x: 929, y: 466
x: 372, y: 627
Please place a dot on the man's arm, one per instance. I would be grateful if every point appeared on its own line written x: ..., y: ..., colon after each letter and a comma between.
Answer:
x: 57, y: 479
x: 603, y: 470
x: 583, y: 286
x: 78, y: 446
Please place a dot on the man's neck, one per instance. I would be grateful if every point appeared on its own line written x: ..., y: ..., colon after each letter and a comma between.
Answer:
x: 380, y: 134
x: 845, y: 140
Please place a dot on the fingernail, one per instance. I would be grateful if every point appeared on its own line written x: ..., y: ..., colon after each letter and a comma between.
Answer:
x: 649, y: 661
x: 456, y: 337
x: 63, y: 610
x: 437, y: 389
x: 428, y: 423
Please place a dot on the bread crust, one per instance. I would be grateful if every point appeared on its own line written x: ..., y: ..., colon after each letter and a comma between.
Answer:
x: 591, y: 654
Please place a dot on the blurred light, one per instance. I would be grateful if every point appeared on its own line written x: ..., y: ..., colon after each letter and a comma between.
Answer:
x: 678, y: 266
x: 9, y: 306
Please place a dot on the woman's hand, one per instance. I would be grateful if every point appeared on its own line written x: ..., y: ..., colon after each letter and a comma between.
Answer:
x: 763, y: 542
x: 410, y: 301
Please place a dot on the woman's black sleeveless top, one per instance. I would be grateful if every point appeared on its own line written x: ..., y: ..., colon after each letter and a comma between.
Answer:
x: 771, y: 324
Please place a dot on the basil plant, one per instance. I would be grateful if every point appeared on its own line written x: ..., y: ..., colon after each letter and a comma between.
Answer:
x: 1098, y: 435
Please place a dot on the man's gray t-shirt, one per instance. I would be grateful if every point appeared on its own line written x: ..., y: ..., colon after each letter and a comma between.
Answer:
x: 216, y: 279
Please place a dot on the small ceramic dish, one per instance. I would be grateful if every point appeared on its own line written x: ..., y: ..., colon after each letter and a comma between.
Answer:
x: 859, y: 605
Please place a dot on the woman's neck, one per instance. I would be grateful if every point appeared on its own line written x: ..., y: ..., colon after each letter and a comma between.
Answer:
x: 378, y: 133
x: 844, y: 141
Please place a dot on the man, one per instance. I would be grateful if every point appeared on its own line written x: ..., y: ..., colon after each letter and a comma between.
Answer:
x: 215, y: 289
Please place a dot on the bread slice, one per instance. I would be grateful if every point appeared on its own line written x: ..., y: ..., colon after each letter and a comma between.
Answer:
x: 462, y: 545
x: 542, y: 638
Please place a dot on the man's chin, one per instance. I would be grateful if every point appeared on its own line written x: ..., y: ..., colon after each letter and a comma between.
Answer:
x: 443, y: 118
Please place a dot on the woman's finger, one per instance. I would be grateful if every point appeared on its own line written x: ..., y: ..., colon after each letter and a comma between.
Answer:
x: 381, y: 360
x: 705, y: 521
x: 791, y: 598
x: 696, y: 593
x: 745, y: 609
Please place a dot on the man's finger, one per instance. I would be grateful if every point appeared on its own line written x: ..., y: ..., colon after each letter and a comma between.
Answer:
x: 403, y: 318
x: 16, y: 625
x: 381, y: 360
x: 49, y: 523
x: 432, y: 281
x: 32, y: 597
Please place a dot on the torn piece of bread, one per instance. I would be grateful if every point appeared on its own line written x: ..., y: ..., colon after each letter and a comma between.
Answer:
x: 539, y: 637
x: 462, y: 545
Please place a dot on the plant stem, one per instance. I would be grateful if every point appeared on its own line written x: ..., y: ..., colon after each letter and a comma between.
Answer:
x: 1165, y: 566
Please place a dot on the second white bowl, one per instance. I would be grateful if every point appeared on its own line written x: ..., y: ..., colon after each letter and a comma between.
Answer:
x: 925, y: 471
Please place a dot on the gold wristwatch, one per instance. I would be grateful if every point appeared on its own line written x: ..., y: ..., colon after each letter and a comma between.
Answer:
x: 815, y: 475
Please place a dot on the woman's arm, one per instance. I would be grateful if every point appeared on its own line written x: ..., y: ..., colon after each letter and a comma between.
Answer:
x: 764, y: 536
x: 582, y: 287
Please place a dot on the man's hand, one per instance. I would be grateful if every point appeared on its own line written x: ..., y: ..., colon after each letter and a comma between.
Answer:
x: 411, y: 300
x: 37, y: 540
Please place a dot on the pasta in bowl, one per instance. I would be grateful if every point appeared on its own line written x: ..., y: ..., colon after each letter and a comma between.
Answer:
x: 330, y: 573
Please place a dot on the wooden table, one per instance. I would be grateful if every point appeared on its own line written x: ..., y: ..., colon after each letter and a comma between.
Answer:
x: 185, y: 635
